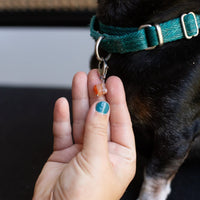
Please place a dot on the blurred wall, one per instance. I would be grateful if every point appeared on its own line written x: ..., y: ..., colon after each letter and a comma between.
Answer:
x: 43, y: 57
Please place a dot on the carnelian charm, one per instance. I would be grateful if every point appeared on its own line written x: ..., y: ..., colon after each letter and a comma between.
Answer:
x: 100, y: 89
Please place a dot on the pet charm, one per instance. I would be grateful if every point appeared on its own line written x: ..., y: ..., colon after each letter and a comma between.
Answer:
x: 101, y: 89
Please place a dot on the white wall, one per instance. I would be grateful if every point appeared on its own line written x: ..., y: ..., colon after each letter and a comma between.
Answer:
x: 46, y: 57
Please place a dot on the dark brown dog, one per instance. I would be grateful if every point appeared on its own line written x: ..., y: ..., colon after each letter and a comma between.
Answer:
x: 162, y: 87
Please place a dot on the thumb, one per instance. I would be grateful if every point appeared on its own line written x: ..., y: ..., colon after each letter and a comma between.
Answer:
x: 95, y: 142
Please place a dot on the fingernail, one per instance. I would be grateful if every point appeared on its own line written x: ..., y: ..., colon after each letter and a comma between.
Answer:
x: 102, y: 107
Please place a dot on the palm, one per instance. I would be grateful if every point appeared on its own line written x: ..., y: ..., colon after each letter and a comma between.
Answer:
x: 64, y: 147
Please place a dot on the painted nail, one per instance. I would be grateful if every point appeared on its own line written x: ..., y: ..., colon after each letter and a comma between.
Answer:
x: 102, y: 107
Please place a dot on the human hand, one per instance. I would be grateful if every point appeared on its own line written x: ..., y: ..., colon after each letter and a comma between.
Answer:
x: 101, y: 162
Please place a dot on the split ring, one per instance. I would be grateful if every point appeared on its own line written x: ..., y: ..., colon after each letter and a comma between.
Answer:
x: 100, y: 59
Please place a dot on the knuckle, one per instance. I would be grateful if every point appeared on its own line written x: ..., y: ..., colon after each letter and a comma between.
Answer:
x: 130, y: 156
x: 98, y: 128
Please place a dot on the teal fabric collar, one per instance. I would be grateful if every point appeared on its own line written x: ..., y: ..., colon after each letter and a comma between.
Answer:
x: 124, y: 40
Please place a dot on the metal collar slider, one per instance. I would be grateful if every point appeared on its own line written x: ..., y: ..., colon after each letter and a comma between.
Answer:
x: 159, y: 34
x: 185, y: 31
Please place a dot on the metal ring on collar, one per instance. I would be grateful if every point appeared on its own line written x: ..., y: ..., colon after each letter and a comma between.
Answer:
x: 99, y: 58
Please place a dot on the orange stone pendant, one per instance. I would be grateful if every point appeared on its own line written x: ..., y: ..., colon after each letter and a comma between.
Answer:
x: 100, y: 89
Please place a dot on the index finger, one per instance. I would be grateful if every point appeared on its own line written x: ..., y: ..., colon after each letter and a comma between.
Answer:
x: 120, y: 121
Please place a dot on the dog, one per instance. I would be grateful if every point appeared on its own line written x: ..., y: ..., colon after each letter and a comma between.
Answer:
x: 162, y: 87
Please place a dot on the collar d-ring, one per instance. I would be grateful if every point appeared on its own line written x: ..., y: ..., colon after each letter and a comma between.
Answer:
x: 99, y: 58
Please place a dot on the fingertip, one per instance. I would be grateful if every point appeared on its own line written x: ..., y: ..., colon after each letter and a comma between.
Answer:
x: 62, y: 101
x: 98, y: 114
x: 61, y: 109
x: 79, y: 76
x: 102, y: 107
x: 79, y: 84
x: 61, y: 125
x: 93, y: 77
x: 93, y: 72
x: 116, y: 93
x: 99, y: 110
x: 114, y: 78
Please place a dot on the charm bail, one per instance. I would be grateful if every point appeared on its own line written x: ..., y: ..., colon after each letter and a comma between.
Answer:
x: 103, y: 69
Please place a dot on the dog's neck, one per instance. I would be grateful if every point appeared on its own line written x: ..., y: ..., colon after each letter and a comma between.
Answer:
x: 133, y: 13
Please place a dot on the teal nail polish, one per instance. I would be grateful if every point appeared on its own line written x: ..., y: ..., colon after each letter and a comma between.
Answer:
x: 102, y: 107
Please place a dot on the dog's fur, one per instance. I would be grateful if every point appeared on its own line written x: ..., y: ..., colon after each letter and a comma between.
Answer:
x: 162, y: 87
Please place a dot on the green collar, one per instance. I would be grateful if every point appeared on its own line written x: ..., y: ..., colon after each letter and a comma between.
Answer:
x: 124, y: 40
